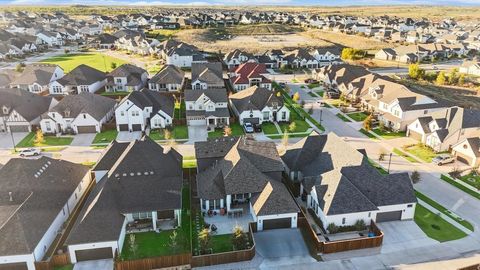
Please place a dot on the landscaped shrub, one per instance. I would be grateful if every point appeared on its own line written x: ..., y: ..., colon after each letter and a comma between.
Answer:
x: 332, y: 228
x: 360, y: 225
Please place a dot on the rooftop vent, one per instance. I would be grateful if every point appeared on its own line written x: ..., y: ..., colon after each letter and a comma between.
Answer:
x: 10, y: 195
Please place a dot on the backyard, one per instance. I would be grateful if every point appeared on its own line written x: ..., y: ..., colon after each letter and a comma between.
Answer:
x: 29, y: 141
x: 189, y: 162
x: 178, y: 133
x: 96, y: 60
x: 436, y: 227
x: 421, y: 151
x: 106, y: 136
x: 237, y: 130
x: 358, y: 116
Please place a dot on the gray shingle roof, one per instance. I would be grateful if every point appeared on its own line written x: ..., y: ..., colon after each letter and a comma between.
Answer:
x: 36, y: 73
x: 28, y: 105
x: 148, y: 98
x: 82, y: 75
x: 255, y: 98
x: 36, y: 201
x: 95, y: 105
x: 210, y: 73
x: 214, y: 94
x: 129, y: 71
x: 169, y: 74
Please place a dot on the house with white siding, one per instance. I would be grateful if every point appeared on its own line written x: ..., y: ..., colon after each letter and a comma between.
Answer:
x: 83, y: 78
x: 36, y: 78
x: 126, y: 78
x: 207, y: 107
x: 207, y: 75
x: 169, y: 79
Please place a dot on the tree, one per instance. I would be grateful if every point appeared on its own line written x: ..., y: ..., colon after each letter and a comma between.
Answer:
x: 453, y: 77
x: 296, y: 96
x: 332, y: 228
x: 19, y: 67
x: 441, y: 78
x: 39, y: 139
x: 239, y: 238
x: 174, y: 240
x: 367, y: 123
x: 279, y: 94
x: 415, y: 72
x: 348, y: 54
x: 415, y: 177
x: 381, y: 126
x: 285, y: 140
x: 292, y: 127
x: 461, y: 80
x: 227, y: 131
x: 133, y: 244
x: 167, y: 134
x: 204, y: 238
x: 113, y: 65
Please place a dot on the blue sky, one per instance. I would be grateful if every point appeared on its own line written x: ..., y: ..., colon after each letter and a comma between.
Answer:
x: 244, y: 2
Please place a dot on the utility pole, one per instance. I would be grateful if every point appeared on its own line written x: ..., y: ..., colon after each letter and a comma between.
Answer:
x: 389, y: 162
x: 13, y: 142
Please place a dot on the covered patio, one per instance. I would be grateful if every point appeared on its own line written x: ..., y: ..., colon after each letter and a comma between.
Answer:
x: 226, y: 223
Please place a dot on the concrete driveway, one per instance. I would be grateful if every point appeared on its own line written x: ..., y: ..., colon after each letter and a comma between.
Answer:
x: 402, y: 235
x: 281, y: 243
x: 6, y: 139
x: 83, y: 139
x: 197, y: 134
x: 97, y: 265
x: 125, y: 136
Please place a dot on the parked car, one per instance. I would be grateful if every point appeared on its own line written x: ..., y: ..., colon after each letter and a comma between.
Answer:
x: 248, y: 127
x: 257, y: 127
x: 282, y: 84
x: 332, y: 95
x: 443, y: 159
x: 311, y: 81
x: 29, y: 152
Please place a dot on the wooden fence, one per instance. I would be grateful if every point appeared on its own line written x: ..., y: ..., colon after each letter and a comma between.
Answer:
x: 154, y: 262
x: 55, y: 260
x: 358, y: 243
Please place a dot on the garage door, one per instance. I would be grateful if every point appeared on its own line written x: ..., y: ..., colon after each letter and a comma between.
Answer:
x: 14, y: 266
x: 123, y: 127
x: 415, y: 135
x: 167, y: 214
x: 279, y: 223
x: 19, y: 128
x: 253, y: 120
x: 389, y: 216
x: 87, y: 129
x: 94, y: 254
x: 200, y: 122
x: 463, y: 159
x: 137, y: 127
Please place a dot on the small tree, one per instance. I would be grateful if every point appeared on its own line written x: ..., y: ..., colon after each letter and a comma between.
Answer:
x: 302, y: 103
x: 381, y: 126
x: 296, y: 96
x: 360, y: 225
x: 310, y: 110
x: 415, y: 72
x: 415, y: 177
x: 239, y: 238
x: 19, y: 67
x: 453, y: 77
x: 39, y: 139
x: 292, y: 127
x: 285, y: 140
x: 133, y: 244
x: 174, y: 240
x: 204, y: 237
x: 167, y: 134
x: 367, y: 123
x: 332, y: 228
x: 381, y: 156
x: 441, y: 78
x: 461, y: 80
x: 113, y: 65
x: 279, y: 94
x: 227, y: 131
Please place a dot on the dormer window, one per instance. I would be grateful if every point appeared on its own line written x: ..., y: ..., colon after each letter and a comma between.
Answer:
x: 5, y: 109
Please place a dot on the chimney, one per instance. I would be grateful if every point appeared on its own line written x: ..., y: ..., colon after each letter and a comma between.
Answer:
x: 10, y: 195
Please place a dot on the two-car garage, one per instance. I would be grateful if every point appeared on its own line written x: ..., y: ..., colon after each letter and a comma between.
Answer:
x: 389, y: 216
x: 94, y: 254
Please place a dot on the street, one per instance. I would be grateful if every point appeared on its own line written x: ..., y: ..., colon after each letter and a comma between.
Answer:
x: 440, y: 66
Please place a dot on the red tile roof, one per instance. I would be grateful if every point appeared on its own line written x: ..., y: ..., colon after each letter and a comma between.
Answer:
x: 248, y: 71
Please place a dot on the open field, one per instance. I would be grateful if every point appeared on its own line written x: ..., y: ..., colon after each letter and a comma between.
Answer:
x: 96, y: 60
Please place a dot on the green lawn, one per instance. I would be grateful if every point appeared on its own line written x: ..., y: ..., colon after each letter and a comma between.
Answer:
x: 471, y: 179
x: 300, y: 124
x: 152, y: 244
x: 312, y: 94
x: 344, y: 119
x: 368, y: 134
x: 179, y: 110
x: 389, y: 135
x: 106, y: 136
x: 300, y: 112
x: 237, y: 130
x: 436, y: 227
x: 405, y: 156
x: 269, y: 128
x: 377, y: 166
x: 460, y: 186
x: 358, y: 116
x: 178, y: 132
x: 96, y: 60
x: 29, y: 141
x: 313, y: 85
x: 443, y: 210
x: 278, y: 136
x: 65, y: 267
x: 421, y: 151
x: 320, y: 93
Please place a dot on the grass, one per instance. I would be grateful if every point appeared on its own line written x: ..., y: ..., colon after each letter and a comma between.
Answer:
x: 189, y: 162
x: 443, y: 210
x: 421, y: 151
x: 301, y: 113
x: 320, y: 93
x: 180, y: 110
x: 280, y: 136
x: 389, y: 134
x: 99, y: 61
x: 312, y: 94
x: 178, y: 133
x: 29, y: 141
x: 344, y: 119
x: 162, y: 34
x: 368, y: 134
x: 106, y: 136
x: 269, y: 128
x: 358, y: 116
x: 313, y: 85
x: 378, y: 167
x: 436, y: 227
x: 300, y: 124
x: 471, y: 179
x: 152, y: 244
x: 54, y: 149
x: 65, y: 267
x: 89, y: 163
x: 460, y: 186
x: 405, y: 156
x: 237, y: 130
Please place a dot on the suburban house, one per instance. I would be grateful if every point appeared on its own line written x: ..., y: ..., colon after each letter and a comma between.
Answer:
x: 301, y: 58
x: 126, y: 77
x: 207, y: 107
x: 104, y: 41
x: 182, y: 55
x: 468, y: 151
x: 470, y: 67
x: 207, y: 75
x: 236, y: 57
x: 169, y: 78
x: 327, y: 56
x: 36, y: 78
x: 50, y: 39
x: 241, y: 175
x: 81, y: 79
x: 138, y: 188
x: 257, y: 105
x: 341, y: 187
x: 443, y: 129
x: 40, y: 195
x: 141, y: 109
x: 249, y: 74
x: 20, y: 111
x: 82, y: 113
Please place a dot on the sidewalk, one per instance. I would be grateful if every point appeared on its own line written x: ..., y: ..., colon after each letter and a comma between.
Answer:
x: 445, y: 217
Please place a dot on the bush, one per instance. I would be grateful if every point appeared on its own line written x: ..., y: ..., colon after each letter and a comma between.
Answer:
x: 415, y: 177
x: 360, y: 225
x: 415, y: 72
x: 332, y: 228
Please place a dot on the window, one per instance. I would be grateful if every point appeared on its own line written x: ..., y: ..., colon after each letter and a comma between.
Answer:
x: 369, y: 214
x: 410, y: 205
x: 63, y: 210
x: 119, y: 80
x: 344, y: 220
x: 57, y: 89
x: 142, y: 215
x: 47, y: 126
x: 122, y: 113
x: 266, y: 116
x: 284, y: 115
x: 84, y: 116
x: 84, y: 88
x: 80, y: 188
x: 425, y: 111
x: 135, y: 113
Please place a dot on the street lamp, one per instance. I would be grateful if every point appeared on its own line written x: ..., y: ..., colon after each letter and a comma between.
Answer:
x: 389, y: 162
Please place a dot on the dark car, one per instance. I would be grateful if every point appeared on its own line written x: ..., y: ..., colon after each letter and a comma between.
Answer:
x: 311, y: 81
x: 332, y: 95
x: 257, y: 127
x: 282, y: 84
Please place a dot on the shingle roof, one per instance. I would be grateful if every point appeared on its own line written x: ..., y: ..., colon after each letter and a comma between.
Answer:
x: 247, y: 71
x: 95, y: 105
x: 209, y: 73
x: 36, y: 73
x: 129, y: 71
x: 82, y: 75
x: 148, y: 98
x: 40, y: 189
x: 214, y: 94
x: 28, y: 105
x: 255, y: 98
x: 169, y: 74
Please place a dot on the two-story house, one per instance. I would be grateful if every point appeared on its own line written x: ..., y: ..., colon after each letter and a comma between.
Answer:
x: 126, y: 77
x: 327, y: 56
x: 36, y: 78
x: 257, y: 105
x: 207, y: 75
x: 81, y: 79
x: 236, y: 57
x: 207, y: 107
x: 82, y: 113
x: 249, y: 74
x: 169, y: 79
x: 144, y: 108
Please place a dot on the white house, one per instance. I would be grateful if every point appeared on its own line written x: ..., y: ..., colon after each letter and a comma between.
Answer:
x: 83, y: 78
x: 82, y: 113
x: 144, y: 108
x: 207, y: 75
x: 470, y: 67
x: 50, y: 38
x: 236, y: 57
x: 36, y: 78
x: 126, y: 77
x: 54, y: 189
x: 468, y: 151
x: 257, y: 105
x: 207, y: 107
x: 169, y: 78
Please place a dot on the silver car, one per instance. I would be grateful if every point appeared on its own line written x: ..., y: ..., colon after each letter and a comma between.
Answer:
x: 30, y: 152
x: 443, y: 159
x: 248, y: 127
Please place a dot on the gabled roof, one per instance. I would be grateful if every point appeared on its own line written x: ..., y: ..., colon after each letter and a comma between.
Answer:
x: 36, y: 73
x: 246, y: 71
x: 209, y: 73
x: 148, y: 98
x: 214, y: 94
x: 129, y: 71
x: 28, y: 105
x: 39, y: 188
x: 169, y: 74
x: 255, y: 98
x: 82, y: 75
x: 95, y: 105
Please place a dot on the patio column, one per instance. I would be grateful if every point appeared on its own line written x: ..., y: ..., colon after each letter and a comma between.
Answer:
x: 178, y: 213
x: 229, y: 201
x: 222, y: 203
x: 207, y: 205
x: 154, y: 220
